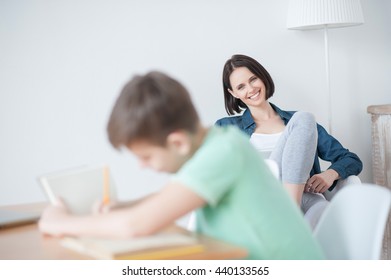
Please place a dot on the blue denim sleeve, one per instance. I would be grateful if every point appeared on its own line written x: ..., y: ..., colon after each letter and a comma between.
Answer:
x: 227, y: 121
x: 342, y: 160
x: 219, y: 122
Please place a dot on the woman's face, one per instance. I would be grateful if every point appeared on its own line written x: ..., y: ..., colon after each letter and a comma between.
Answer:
x: 247, y: 87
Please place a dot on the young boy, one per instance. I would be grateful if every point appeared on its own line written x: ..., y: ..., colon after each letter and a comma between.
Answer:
x: 216, y: 171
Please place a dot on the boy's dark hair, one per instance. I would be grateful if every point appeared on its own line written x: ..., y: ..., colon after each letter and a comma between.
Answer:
x: 149, y: 108
x: 234, y: 105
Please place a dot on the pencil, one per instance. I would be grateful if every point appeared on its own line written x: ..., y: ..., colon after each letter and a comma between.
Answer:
x: 106, y: 186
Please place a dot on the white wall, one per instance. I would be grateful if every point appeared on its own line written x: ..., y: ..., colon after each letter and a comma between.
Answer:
x: 62, y: 64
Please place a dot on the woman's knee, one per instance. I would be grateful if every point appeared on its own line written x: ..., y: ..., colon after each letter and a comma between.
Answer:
x: 303, y: 119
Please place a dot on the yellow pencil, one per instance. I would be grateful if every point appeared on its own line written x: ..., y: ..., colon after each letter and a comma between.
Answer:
x: 106, y: 185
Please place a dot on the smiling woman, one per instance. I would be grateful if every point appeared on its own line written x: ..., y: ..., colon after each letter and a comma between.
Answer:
x: 293, y: 139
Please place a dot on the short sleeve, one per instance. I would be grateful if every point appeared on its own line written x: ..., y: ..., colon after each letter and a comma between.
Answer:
x: 213, y: 170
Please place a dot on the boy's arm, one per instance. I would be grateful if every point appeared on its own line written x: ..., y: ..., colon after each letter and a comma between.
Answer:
x: 100, y: 207
x: 149, y: 216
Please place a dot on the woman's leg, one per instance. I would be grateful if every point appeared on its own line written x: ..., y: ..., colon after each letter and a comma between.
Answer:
x: 295, y: 153
x: 313, y: 205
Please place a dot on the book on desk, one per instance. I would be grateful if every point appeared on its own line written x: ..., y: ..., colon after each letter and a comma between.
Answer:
x: 79, y: 187
x: 157, y: 246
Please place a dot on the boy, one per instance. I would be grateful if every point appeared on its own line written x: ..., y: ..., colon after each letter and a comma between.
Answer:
x: 216, y: 171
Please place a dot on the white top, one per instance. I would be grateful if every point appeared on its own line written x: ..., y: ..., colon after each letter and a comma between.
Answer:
x: 265, y: 143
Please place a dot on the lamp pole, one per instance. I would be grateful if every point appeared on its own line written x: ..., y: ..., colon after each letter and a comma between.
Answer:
x: 324, y: 14
x: 327, y: 62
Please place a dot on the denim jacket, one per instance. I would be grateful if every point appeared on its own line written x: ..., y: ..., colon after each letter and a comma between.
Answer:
x: 329, y: 149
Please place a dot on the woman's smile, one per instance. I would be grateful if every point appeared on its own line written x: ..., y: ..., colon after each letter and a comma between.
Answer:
x: 255, y: 95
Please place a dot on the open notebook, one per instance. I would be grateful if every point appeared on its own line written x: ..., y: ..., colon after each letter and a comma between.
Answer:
x: 80, y: 187
x: 157, y: 246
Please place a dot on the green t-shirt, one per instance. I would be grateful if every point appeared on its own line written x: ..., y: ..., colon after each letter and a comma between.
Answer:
x: 245, y: 204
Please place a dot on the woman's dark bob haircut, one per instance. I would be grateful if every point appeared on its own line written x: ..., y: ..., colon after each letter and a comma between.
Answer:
x: 234, y: 105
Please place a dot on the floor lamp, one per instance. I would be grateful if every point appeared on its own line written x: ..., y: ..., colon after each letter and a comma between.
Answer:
x: 324, y: 14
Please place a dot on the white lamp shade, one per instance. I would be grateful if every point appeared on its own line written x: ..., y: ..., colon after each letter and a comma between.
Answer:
x: 316, y: 14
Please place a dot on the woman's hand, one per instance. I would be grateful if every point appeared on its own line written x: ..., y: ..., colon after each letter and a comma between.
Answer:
x: 319, y: 183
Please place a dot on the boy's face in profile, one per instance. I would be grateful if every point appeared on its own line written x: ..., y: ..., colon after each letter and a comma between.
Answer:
x: 159, y: 158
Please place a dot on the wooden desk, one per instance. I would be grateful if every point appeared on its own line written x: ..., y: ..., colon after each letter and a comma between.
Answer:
x: 27, y: 243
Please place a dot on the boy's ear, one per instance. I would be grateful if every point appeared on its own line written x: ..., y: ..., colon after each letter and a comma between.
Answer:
x: 180, y: 141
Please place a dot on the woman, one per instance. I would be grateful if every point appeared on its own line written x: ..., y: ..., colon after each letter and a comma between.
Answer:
x: 292, y: 139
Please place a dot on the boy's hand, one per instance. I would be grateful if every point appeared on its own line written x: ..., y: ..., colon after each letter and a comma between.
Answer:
x: 52, y: 218
x: 99, y: 207
x: 319, y: 183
